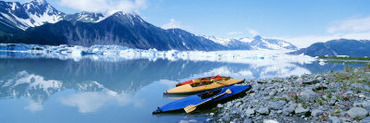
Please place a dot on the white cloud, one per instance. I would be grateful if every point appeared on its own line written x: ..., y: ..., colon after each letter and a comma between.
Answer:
x: 172, y: 24
x: 105, y: 6
x: 87, y: 102
x: 234, y: 33
x: 305, y: 41
x: 350, y: 25
x: 34, y: 106
x: 252, y: 32
x: 358, y: 29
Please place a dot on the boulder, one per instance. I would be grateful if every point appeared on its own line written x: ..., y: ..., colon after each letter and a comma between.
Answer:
x: 249, y: 112
x: 334, y: 119
x: 312, y: 81
x: 289, y: 110
x: 316, y: 112
x: 308, y: 93
x: 277, y: 105
x: 365, y: 120
x: 301, y: 111
x: 320, y: 86
x: 357, y: 112
x: 263, y: 111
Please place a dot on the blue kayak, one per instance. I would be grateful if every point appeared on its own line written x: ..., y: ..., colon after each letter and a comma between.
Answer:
x: 207, y: 97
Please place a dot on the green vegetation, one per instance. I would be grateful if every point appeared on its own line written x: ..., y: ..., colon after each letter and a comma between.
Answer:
x: 344, y: 58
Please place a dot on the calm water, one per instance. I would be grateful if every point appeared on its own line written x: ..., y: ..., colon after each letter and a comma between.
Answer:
x: 54, y: 90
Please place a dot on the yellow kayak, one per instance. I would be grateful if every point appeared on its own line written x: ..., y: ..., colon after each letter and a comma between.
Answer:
x: 198, y: 87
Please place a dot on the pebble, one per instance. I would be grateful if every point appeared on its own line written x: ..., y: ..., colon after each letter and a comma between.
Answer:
x: 361, y: 96
x: 249, y: 112
x: 248, y: 121
x: 334, y: 119
x: 272, y: 93
x: 276, y: 98
x: 270, y: 121
x: 357, y: 112
x: 263, y: 111
x: 252, y: 94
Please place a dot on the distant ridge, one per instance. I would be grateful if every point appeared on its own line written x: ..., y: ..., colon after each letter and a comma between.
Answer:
x: 255, y: 43
x: 354, y: 48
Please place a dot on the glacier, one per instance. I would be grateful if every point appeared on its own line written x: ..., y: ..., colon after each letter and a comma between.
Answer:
x: 115, y: 53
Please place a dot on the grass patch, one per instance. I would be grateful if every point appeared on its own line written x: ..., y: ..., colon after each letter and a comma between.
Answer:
x: 344, y: 58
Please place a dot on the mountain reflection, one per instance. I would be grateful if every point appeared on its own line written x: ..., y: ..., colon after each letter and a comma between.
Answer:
x: 99, y: 83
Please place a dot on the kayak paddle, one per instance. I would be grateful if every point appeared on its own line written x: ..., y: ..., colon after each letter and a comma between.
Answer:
x: 191, y: 108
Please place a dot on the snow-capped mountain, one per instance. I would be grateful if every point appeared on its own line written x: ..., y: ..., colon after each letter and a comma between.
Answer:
x: 256, y: 43
x: 30, y: 14
x: 121, y: 28
x: 85, y: 17
x: 52, y: 27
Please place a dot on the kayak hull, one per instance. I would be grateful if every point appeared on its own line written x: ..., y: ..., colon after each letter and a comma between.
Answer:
x: 218, y: 77
x: 197, y: 98
x: 189, y: 89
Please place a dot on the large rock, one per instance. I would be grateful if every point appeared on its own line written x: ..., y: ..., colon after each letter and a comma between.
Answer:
x: 316, y: 112
x: 249, y: 112
x: 366, y: 104
x: 357, y: 112
x: 314, y: 81
x: 301, y: 111
x: 320, y: 86
x: 334, y: 119
x: 272, y: 93
x: 360, y: 86
x: 365, y: 120
x: 277, y: 105
x: 264, y: 111
x: 308, y: 93
x: 289, y: 110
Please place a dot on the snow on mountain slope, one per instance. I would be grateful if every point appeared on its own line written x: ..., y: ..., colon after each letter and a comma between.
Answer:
x: 41, y: 12
x: 256, y: 43
x: 30, y: 14
x: 85, y: 17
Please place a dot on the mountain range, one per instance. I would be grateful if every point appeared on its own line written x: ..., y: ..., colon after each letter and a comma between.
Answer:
x: 37, y: 22
x: 353, y: 48
x: 255, y: 43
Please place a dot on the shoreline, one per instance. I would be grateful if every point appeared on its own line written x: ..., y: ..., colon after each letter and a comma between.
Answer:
x: 336, y: 96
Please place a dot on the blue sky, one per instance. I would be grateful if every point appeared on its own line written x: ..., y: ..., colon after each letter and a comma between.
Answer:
x: 301, y: 22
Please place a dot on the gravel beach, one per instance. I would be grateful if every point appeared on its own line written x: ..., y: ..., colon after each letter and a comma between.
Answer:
x: 333, y: 96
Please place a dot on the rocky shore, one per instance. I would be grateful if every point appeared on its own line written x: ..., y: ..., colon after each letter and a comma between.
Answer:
x: 334, y: 96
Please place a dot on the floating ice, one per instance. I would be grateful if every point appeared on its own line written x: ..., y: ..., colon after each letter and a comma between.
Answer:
x: 120, y: 53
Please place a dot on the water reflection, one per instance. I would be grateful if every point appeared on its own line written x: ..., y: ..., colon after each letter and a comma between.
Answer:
x: 96, y: 86
x: 87, y: 102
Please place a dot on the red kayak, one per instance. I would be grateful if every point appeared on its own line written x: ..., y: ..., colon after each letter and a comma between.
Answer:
x: 210, y: 78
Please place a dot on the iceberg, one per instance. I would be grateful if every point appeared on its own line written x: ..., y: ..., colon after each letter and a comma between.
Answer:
x: 115, y: 53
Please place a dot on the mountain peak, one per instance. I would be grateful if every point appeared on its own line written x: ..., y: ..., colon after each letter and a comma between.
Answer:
x: 121, y: 13
x: 127, y: 18
x: 257, y: 37
x: 39, y: 2
x: 85, y: 16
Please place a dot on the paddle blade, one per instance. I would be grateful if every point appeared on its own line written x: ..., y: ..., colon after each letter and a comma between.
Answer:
x: 190, y: 108
x: 228, y: 91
